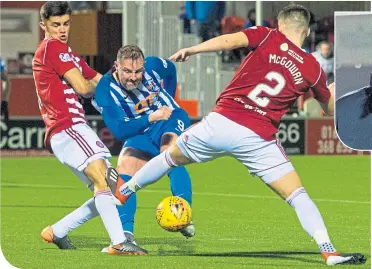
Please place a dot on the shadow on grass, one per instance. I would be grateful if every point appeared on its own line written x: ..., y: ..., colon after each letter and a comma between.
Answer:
x: 182, y: 247
x: 280, y: 255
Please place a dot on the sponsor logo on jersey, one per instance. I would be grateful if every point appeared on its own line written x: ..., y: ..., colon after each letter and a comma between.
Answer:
x: 284, y: 47
x: 296, y: 56
x: 65, y: 57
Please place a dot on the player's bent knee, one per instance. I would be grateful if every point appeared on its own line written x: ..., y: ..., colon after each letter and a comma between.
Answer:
x: 96, y: 171
x: 129, y: 165
x: 295, y: 194
x: 177, y: 156
x: 286, y: 185
x: 167, y: 140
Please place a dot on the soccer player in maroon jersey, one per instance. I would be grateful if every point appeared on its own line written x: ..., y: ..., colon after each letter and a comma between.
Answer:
x: 60, y: 76
x: 247, y: 115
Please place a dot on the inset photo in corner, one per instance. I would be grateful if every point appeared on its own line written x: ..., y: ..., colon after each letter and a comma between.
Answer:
x: 353, y: 60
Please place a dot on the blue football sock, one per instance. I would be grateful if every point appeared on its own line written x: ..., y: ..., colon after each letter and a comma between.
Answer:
x: 180, y: 183
x: 128, y: 210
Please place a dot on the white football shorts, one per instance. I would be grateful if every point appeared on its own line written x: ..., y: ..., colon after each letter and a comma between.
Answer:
x: 217, y: 136
x: 78, y: 146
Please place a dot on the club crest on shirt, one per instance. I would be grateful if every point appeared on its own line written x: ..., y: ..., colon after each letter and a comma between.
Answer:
x: 100, y: 144
x: 151, y: 85
x: 65, y: 57
x: 284, y: 47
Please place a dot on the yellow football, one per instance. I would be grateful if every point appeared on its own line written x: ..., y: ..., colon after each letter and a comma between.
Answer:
x: 173, y: 213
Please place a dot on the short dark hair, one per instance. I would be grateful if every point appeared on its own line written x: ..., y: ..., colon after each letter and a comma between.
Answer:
x: 130, y: 52
x: 55, y: 8
x: 367, y: 106
x: 295, y: 14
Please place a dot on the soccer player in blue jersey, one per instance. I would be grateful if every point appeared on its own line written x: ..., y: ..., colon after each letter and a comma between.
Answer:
x: 136, y: 101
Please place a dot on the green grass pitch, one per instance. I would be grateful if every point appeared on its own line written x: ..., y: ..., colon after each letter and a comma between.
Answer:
x: 239, y: 221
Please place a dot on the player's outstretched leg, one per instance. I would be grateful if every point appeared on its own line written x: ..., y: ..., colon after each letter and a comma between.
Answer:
x: 127, y: 213
x: 57, y: 233
x: 105, y: 205
x: 180, y: 184
x: 289, y: 187
x: 153, y: 170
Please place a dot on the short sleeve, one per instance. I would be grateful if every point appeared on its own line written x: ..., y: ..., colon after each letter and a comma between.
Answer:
x: 256, y: 35
x: 58, y: 57
x: 88, y: 72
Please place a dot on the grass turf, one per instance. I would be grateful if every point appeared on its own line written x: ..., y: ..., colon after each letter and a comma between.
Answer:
x: 239, y: 221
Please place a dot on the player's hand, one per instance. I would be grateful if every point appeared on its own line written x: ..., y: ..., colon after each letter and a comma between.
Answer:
x: 162, y: 113
x: 182, y: 55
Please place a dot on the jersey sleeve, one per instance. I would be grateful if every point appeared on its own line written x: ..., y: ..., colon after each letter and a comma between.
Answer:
x: 256, y: 35
x: 57, y: 56
x: 166, y: 70
x: 113, y: 115
x: 88, y: 72
x: 319, y: 87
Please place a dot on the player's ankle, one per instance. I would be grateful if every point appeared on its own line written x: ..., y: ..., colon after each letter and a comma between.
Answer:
x: 327, y: 248
x: 321, y: 236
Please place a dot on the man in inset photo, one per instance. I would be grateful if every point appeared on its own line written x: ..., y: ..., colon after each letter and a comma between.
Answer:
x: 353, y: 67
x: 354, y: 118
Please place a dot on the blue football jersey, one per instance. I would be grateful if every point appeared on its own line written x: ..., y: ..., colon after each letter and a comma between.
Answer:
x: 149, y: 95
x: 134, y: 106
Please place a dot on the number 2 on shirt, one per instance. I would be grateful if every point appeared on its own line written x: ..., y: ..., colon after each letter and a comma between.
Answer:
x: 264, y: 101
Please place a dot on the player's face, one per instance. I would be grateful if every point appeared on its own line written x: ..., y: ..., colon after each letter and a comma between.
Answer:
x: 57, y: 27
x: 130, y: 72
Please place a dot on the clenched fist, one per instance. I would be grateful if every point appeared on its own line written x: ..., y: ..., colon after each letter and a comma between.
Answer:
x: 162, y: 113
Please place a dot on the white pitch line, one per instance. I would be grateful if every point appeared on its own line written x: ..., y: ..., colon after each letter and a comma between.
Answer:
x: 261, y: 197
x: 194, y: 193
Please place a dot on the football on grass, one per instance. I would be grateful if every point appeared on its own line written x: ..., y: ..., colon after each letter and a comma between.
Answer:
x: 173, y: 213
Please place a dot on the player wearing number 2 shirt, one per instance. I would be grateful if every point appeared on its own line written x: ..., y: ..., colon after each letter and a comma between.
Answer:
x: 247, y: 115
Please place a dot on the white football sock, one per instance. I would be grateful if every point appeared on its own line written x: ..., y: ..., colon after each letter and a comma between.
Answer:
x: 151, y: 172
x: 309, y: 216
x: 106, y: 208
x: 76, y: 218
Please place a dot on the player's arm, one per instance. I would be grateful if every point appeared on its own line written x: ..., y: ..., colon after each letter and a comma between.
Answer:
x: 78, y: 82
x: 223, y: 42
x: 90, y: 74
x: 166, y: 70
x: 323, y: 94
x: 114, y: 119
x: 57, y: 56
x: 251, y: 37
x: 329, y: 107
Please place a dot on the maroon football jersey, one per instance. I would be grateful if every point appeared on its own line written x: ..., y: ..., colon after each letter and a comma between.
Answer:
x: 58, y: 102
x: 269, y: 81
